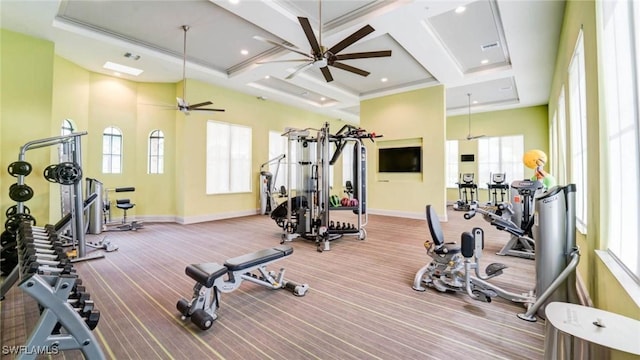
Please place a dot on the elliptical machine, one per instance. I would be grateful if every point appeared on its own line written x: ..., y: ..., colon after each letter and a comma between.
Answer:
x: 467, y: 189
x: 452, y: 265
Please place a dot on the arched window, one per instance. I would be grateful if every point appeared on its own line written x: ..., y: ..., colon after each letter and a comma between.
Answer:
x: 156, y: 152
x: 67, y: 127
x: 112, y: 151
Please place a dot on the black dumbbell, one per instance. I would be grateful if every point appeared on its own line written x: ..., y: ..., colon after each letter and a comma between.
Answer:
x: 92, y: 319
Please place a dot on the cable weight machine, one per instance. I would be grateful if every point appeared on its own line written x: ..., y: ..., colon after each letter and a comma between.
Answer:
x: 306, y: 213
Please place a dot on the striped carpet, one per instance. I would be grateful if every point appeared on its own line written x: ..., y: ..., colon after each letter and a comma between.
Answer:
x: 360, y: 306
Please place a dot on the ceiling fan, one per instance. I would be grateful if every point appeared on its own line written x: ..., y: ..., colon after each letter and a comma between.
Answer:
x: 469, y: 136
x: 183, y: 105
x: 321, y: 57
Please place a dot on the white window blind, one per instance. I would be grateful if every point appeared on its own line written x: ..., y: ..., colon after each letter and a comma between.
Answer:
x: 228, y: 158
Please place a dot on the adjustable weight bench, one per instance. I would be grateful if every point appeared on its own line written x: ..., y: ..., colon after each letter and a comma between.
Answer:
x: 210, y: 282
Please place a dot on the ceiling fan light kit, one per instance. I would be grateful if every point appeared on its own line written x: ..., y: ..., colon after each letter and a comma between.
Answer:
x: 321, y: 57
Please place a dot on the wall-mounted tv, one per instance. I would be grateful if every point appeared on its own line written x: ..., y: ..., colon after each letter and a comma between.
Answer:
x: 400, y: 159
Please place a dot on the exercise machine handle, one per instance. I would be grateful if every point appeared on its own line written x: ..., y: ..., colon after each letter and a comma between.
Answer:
x: 125, y: 189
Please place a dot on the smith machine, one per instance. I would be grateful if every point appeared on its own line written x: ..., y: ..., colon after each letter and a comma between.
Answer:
x: 306, y: 213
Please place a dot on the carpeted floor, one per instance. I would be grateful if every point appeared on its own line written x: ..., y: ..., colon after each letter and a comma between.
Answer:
x: 360, y: 304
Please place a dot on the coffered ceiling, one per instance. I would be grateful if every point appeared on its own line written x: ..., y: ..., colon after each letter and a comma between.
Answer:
x: 500, y: 51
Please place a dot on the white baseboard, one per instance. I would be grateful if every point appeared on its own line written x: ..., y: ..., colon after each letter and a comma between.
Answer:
x: 212, y: 217
x: 404, y: 214
x: 155, y: 218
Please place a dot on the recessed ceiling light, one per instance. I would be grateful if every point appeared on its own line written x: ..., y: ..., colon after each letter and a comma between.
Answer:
x: 267, y: 76
x: 384, y: 79
x: 323, y: 98
x: 234, y: 1
x: 244, y: 52
x: 474, y: 102
x: 122, y: 68
x: 460, y: 9
x: 485, y: 61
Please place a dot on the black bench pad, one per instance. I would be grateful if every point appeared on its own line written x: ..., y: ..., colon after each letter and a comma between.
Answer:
x: 258, y: 257
x: 205, y: 274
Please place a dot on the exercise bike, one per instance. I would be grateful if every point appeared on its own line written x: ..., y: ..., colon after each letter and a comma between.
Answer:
x: 496, y: 187
x: 453, y: 267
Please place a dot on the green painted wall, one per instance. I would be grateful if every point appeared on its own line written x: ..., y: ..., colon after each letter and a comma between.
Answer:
x: 40, y: 90
x: 408, y: 118
x: 70, y: 101
x: 26, y: 78
x: 531, y: 122
x: 261, y: 116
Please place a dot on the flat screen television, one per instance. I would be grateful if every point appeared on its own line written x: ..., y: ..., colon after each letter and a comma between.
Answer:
x: 400, y: 159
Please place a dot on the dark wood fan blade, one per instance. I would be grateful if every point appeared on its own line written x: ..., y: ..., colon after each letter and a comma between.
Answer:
x: 192, y: 107
x: 311, y: 37
x: 364, y: 31
x: 326, y: 73
x: 350, y: 68
x: 260, y: 38
x: 207, y: 109
x: 364, y: 55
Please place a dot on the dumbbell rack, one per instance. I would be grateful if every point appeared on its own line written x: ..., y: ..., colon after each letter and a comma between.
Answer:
x: 67, y: 314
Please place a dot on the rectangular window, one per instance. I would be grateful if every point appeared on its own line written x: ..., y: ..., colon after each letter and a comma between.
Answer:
x: 578, y: 132
x: 620, y: 89
x: 451, y: 156
x: 501, y: 154
x: 228, y: 158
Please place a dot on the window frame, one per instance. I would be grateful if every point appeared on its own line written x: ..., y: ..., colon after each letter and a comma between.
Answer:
x: 115, y: 133
x: 578, y: 131
x: 452, y: 164
x: 619, y: 60
x: 159, y: 153
x: 223, y: 159
x: 501, y: 165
